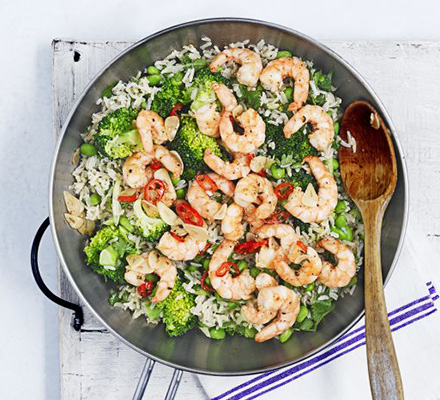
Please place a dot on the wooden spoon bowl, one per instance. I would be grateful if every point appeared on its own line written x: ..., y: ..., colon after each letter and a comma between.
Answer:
x: 369, y: 174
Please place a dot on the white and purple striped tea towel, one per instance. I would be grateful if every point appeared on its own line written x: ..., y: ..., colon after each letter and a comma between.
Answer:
x: 340, y: 371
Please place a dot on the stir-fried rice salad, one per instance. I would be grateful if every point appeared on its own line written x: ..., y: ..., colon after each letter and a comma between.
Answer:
x: 209, y: 187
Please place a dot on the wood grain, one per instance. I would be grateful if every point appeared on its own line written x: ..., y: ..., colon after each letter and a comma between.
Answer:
x: 405, y: 75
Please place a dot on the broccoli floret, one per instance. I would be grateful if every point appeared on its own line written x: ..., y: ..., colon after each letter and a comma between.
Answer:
x: 190, y: 143
x: 252, y: 97
x: 169, y: 95
x: 108, y: 248
x: 151, y: 228
x: 203, y: 84
x: 292, y: 150
x: 176, y: 310
x: 116, y: 136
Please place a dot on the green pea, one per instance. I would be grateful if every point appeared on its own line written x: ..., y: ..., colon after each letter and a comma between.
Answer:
x: 249, y: 333
x: 242, y: 265
x: 125, y: 222
x: 254, y: 272
x: 175, y: 181
x: 335, y: 163
x: 348, y: 233
x: 310, y: 287
x: 181, y: 193
x: 303, y: 312
x: 199, y: 63
x: 192, y: 268
x: 154, y: 80
x: 336, y: 127
x: 113, y: 299
x: 340, y: 221
x: 144, y: 105
x: 94, y: 199
x: 277, y: 172
x: 283, y: 53
x: 355, y: 213
x: 289, y: 93
x: 152, y: 70
x: 152, y: 278
x: 88, y: 150
x: 217, y: 334
x: 340, y: 207
x: 341, y: 234
x: 176, y: 80
x: 205, y: 263
x: 285, y: 336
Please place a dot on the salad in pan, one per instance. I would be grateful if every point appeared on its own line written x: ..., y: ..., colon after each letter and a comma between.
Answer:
x: 209, y: 187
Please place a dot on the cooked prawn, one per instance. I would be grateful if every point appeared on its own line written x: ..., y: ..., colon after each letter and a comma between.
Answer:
x: 167, y: 271
x: 309, y: 261
x: 254, y: 131
x: 151, y: 128
x: 276, y: 71
x: 225, y: 96
x: 232, y: 227
x: 337, y: 275
x: 227, y: 286
x: 169, y: 160
x: 230, y: 170
x: 283, y: 301
x: 258, y: 190
x: 327, y: 195
x: 180, y: 250
x: 322, y: 136
x: 202, y: 202
x: 135, y: 170
x: 251, y: 65
x: 208, y: 119
x: 251, y: 218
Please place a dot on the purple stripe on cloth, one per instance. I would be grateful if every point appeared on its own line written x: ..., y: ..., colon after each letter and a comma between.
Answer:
x: 337, y: 356
x: 435, y: 297
x: 324, y: 355
x: 432, y: 290
x: 429, y: 283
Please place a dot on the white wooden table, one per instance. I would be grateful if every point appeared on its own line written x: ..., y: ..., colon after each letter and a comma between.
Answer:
x: 406, y: 76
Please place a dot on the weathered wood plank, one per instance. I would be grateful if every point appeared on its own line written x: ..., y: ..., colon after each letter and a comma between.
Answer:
x: 405, y: 75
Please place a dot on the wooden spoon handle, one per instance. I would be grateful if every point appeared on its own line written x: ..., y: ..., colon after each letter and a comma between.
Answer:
x: 383, y: 367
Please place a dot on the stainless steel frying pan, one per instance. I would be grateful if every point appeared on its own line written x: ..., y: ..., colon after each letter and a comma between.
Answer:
x: 194, y: 352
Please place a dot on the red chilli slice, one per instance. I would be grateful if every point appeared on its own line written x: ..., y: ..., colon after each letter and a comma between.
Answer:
x: 177, y: 237
x: 188, y: 215
x: 277, y: 217
x: 154, y: 190
x: 302, y: 246
x: 283, y: 190
x: 177, y: 107
x: 128, y: 196
x: 250, y: 247
x: 206, y: 183
x: 203, y: 284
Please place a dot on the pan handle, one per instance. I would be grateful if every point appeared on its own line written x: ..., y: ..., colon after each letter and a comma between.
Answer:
x: 145, y: 377
x: 78, y: 317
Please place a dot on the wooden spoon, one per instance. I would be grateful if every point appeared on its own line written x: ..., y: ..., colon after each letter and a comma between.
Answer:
x: 369, y: 176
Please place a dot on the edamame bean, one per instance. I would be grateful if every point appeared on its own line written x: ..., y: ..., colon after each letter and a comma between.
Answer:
x: 289, y: 93
x: 341, y: 234
x: 154, y: 80
x: 348, y: 233
x: 94, y: 199
x: 303, y: 312
x: 242, y: 265
x: 180, y: 193
x: 175, y: 181
x: 217, y: 334
x: 176, y: 80
x: 233, y: 304
x: 152, y: 70
x: 277, y: 172
x: 205, y: 263
x: 335, y: 163
x: 283, y: 53
x: 285, y: 336
x: 340, y: 221
x: 336, y: 127
x: 310, y: 287
x: 340, y: 207
x: 254, y: 272
x: 88, y: 150
x: 125, y: 222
